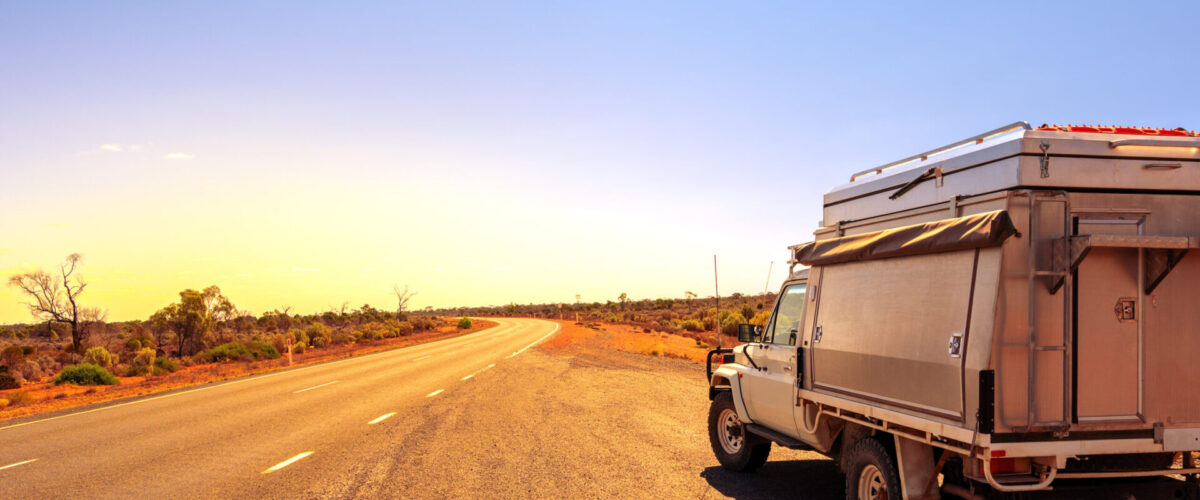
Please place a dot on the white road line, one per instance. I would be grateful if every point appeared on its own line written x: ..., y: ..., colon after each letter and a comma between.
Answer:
x: 427, y: 356
x: 250, y: 377
x: 468, y: 376
x: 536, y: 342
x: 287, y: 462
x: 381, y: 418
x: 434, y: 393
x: 489, y: 366
x: 9, y: 466
x: 316, y: 386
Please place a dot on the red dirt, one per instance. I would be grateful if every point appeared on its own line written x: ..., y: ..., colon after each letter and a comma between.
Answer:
x: 46, y: 396
x: 631, y: 339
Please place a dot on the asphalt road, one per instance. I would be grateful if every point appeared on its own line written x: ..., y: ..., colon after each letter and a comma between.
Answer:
x: 293, y: 433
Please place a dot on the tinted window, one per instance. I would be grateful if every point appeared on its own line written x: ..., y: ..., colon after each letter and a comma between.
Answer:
x: 786, y: 325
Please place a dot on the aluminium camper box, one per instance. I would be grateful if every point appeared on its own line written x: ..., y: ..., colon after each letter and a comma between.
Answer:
x: 1025, y: 301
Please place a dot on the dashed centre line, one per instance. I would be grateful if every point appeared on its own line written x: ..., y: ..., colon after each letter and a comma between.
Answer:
x: 434, y: 393
x: 381, y: 418
x: 287, y: 462
x: 9, y: 466
x: 316, y: 386
x: 468, y: 376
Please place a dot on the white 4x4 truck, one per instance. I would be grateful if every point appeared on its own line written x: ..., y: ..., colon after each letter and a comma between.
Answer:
x: 1013, y: 315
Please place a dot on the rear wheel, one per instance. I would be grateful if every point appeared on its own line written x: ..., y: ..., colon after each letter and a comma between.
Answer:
x: 737, y: 450
x: 872, y: 474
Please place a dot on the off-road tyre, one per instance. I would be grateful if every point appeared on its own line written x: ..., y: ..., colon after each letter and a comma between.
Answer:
x: 872, y: 473
x: 736, y: 449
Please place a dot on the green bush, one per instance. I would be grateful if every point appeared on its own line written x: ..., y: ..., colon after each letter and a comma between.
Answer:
x: 464, y: 323
x: 165, y: 364
x: 141, y: 362
x: 298, y: 347
x: 342, y: 338
x: 133, y: 345
x: 729, y: 324
x: 298, y: 336
x: 99, y: 356
x: 240, y: 351
x: 692, y: 325
x: 85, y: 374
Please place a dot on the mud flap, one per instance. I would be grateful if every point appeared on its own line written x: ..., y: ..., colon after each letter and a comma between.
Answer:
x: 917, y: 470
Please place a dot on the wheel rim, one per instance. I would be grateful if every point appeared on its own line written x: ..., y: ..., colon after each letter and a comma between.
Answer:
x: 871, y: 485
x: 729, y: 429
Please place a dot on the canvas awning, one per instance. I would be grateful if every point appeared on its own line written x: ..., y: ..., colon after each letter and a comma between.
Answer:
x: 963, y: 233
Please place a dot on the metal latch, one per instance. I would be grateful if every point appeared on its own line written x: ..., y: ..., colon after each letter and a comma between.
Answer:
x: 817, y: 335
x: 956, y: 345
x: 1045, y: 147
x: 1126, y: 309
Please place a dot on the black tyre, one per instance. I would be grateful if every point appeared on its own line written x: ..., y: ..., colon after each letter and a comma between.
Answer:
x: 872, y: 474
x: 734, y: 448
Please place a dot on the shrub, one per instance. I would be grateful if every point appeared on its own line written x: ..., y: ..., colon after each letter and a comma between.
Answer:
x: 421, y: 323
x: 298, y: 336
x: 692, y: 325
x: 342, y: 338
x: 141, y: 362
x: 373, y: 331
x: 133, y: 345
x: 99, y: 356
x: 404, y: 329
x: 18, y: 397
x: 3, y: 402
x: 298, y: 347
x: 318, y: 334
x: 165, y: 364
x: 240, y: 351
x: 7, y: 381
x: 11, y: 355
x: 85, y: 374
x: 320, y: 341
x: 729, y: 324
x: 464, y: 323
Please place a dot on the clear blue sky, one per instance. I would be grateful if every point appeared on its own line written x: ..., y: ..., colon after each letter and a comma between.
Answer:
x: 306, y: 154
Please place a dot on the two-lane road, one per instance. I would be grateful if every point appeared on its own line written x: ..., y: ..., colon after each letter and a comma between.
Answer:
x: 261, y: 435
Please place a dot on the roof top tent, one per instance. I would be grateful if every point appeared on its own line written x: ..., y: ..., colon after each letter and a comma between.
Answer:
x: 1022, y: 281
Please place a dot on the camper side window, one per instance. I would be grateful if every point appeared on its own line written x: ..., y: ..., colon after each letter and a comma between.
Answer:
x: 785, y: 325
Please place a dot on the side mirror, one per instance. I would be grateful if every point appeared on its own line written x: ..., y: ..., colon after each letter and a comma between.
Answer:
x: 749, y: 333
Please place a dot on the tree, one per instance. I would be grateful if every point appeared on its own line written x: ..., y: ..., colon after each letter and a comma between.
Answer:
x: 623, y: 299
x: 402, y: 298
x: 196, y: 314
x: 55, y: 298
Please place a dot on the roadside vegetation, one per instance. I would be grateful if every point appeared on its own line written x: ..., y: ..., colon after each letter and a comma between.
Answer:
x: 697, y: 318
x: 70, y: 343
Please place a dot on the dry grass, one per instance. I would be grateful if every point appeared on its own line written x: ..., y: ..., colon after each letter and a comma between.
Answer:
x: 43, y: 397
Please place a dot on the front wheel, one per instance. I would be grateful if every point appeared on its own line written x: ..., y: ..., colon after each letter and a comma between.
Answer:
x: 734, y: 448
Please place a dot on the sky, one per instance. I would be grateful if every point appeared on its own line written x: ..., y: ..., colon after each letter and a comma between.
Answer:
x: 305, y: 154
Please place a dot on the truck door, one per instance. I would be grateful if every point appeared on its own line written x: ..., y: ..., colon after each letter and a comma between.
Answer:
x: 1108, y: 310
x: 772, y: 388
